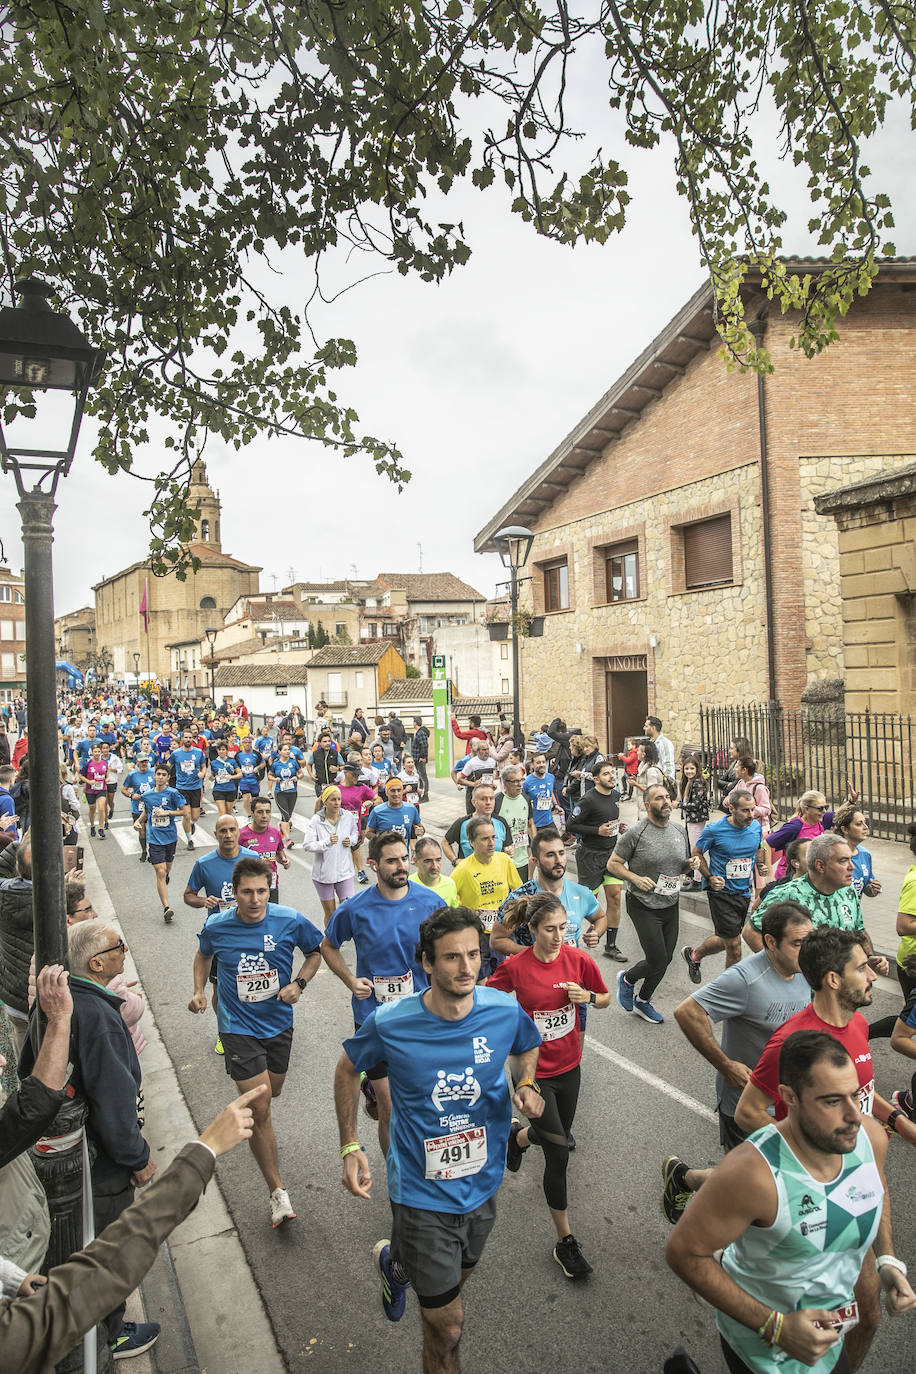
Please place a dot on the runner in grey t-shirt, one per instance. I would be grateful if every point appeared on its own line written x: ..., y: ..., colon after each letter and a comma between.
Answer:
x: 752, y: 999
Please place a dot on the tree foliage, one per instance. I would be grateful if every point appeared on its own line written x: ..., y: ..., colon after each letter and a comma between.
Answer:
x: 178, y: 172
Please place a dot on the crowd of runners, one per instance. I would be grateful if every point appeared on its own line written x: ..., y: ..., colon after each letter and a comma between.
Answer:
x: 471, y: 990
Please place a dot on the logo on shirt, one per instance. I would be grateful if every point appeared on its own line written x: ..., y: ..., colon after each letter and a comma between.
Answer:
x: 226, y: 893
x: 482, y: 1051
x: 269, y: 942
x: 455, y: 1087
x: 807, y: 1206
x: 253, y: 963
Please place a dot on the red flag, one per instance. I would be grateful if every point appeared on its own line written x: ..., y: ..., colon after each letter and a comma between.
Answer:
x: 144, y: 611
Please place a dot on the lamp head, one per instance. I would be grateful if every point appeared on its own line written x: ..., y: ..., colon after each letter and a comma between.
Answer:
x: 513, y: 544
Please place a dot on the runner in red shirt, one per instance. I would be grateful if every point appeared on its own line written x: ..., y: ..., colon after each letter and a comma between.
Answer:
x: 549, y: 979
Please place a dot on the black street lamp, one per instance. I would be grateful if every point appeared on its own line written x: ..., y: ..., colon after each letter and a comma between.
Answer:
x: 211, y: 634
x: 46, y: 369
x: 513, y: 544
x: 136, y: 657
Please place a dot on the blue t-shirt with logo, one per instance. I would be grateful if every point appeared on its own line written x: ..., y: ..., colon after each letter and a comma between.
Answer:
x: 249, y: 763
x: 286, y: 774
x: 862, y: 871
x: 171, y: 800
x: 450, y: 1103
x: 226, y: 773
x: 213, y: 873
x: 139, y: 781
x: 188, y: 763
x: 264, y: 746
x: 163, y: 745
x: 385, y: 934
x: 539, y: 792
x: 402, y: 819
x: 730, y: 851
x: 254, y: 958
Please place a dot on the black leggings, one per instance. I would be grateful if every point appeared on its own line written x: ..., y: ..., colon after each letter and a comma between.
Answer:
x: 657, y: 929
x: 550, y: 1131
x: 882, y: 1030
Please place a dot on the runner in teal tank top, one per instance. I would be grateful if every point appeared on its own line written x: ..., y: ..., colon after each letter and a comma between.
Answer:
x: 779, y: 1243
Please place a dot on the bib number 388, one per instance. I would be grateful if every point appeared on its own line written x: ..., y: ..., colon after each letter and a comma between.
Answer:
x: 455, y: 1156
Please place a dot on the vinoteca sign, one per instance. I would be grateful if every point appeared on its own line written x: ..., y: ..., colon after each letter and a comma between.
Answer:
x: 627, y: 663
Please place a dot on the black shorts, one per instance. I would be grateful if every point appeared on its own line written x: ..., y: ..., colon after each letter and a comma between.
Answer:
x: 162, y: 853
x: 729, y: 912
x: 591, y: 868
x: 436, y: 1248
x: 249, y: 1055
x: 191, y: 798
x: 93, y: 797
x: 225, y: 794
x: 274, y: 893
x: 111, y: 789
x: 730, y: 1133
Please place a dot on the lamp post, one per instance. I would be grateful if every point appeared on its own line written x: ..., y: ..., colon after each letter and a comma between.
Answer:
x: 211, y: 634
x: 513, y: 544
x: 46, y: 369
x: 136, y: 658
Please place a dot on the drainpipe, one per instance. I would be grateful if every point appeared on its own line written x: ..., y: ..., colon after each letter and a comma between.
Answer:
x: 758, y: 329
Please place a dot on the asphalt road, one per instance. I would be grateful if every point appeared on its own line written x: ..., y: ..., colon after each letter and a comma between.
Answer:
x: 645, y: 1094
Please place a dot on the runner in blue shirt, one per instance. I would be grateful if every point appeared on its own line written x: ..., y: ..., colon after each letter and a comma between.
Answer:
x: 137, y: 783
x: 252, y: 768
x: 446, y: 1051
x: 255, y: 941
x: 165, y: 742
x: 158, y: 810
x: 190, y: 766
x: 225, y: 773
x: 728, y: 851
x: 395, y: 814
x: 84, y: 746
x: 284, y: 774
x: 538, y: 787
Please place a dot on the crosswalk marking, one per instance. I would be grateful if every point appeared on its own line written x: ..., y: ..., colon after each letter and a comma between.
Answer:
x: 127, y: 838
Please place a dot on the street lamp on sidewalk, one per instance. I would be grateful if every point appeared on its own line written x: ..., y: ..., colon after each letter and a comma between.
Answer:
x: 46, y: 369
x: 211, y: 634
x: 513, y: 544
x: 136, y: 658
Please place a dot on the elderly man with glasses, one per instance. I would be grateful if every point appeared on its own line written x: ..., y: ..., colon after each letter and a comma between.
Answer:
x: 107, y: 1073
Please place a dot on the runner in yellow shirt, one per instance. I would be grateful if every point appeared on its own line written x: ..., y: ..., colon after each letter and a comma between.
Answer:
x: 484, y: 880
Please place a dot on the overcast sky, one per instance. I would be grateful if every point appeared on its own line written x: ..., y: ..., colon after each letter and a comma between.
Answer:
x: 476, y: 380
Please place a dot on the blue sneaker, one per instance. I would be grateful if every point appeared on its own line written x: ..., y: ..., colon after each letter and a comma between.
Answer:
x: 394, y: 1295
x: 625, y: 991
x: 134, y: 1338
x: 647, y: 1011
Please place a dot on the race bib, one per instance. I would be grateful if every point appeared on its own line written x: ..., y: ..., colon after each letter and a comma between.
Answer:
x: 222, y: 777
x: 555, y: 1024
x: 187, y: 766
x: 667, y: 885
x: 160, y: 818
x: 392, y: 989
x: 519, y: 839
x: 543, y: 804
x: 287, y: 784
x: 738, y: 868
x: 486, y: 920
x: 257, y: 987
x: 247, y: 769
x: 456, y: 1156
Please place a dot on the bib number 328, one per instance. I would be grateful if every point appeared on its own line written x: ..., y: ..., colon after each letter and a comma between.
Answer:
x: 455, y: 1156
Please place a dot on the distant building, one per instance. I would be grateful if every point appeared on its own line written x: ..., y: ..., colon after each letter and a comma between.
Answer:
x: 347, y: 677
x: 179, y: 612
x: 74, y: 635
x: 12, y: 634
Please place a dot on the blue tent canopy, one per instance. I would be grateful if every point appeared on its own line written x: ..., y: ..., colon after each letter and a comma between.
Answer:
x: 74, y: 676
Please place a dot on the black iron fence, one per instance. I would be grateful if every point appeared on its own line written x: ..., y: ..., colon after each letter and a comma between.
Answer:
x: 823, y: 748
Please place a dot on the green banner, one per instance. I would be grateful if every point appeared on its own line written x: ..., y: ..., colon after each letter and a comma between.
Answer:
x: 442, y: 713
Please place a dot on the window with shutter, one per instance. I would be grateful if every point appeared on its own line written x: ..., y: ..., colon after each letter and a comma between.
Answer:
x: 556, y: 587
x: 708, y: 552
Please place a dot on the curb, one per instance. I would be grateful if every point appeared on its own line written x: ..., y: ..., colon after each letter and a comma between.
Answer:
x: 200, y: 1319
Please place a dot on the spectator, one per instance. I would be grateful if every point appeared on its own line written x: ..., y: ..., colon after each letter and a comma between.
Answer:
x: 16, y: 935
x: 630, y: 761
x: 398, y: 735
x: 649, y: 774
x: 750, y: 779
x: 4, y: 745
x: 663, y: 745
x: 810, y: 820
x: 739, y: 748
x: 419, y: 747
x: 359, y: 726
x: 475, y: 731
x: 562, y: 755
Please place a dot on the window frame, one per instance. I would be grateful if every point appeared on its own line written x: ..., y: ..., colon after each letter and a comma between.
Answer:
x: 627, y: 548
x: 555, y: 566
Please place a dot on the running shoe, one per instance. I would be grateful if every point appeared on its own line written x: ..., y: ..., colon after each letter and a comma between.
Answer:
x: 134, y: 1338
x: 570, y: 1142
x: 514, y: 1151
x: 368, y: 1092
x: 218, y: 1047
x: 569, y: 1257
x: 168, y: 915
x: 625, y: 991
x: 612, y: 952
x: 675, y: 1193
x: 393, y: 1294
x: 362, y: 877
x: 101, y: 834
x: 900, y: 1099
x: 167, y: 877
x: 92, y: 832
x: 142, y: 857
x: 191, y: 844
x: 280, y: 1208
x: 647, y: 1011
x: 693, y: 966
x: 107, y: 825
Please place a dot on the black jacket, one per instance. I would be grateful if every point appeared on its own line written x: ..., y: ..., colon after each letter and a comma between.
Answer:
x: 25, y: 1117
x: 560, y: 760
x: 398, y: 733
x: 16, y: 942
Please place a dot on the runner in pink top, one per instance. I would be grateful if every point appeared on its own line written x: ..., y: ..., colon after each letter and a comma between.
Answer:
x: 266, y: 841
x: 812, y: 819
x: 94, y: 778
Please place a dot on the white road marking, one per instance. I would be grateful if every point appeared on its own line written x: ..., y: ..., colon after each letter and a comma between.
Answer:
x: 651, y: 1079
x: 128, y: 839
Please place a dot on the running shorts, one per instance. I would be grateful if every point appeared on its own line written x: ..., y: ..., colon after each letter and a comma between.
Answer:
x: 436, y: 1248
x: 248, y: 1055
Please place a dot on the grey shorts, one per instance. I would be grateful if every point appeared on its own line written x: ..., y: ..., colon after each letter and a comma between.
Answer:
x: 730, y: 1133
x: 436, y: 1248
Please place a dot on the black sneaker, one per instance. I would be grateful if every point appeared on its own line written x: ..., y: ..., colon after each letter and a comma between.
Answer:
x: 675, y: 1193
x: 92, y: 832
x: 693, y: 966
x: 143, y: 856
x: 168, y: 915
x: 612, y: 952
x: 134, y: 1338
x: 570, y: 1142
x: 902, y: 1102
x: 514, y: 1151
x: 570, y: 1258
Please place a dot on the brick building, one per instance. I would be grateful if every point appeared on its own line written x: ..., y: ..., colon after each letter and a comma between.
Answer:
x: 678, y: 556
x: 74, y: 635
x: 12, y: 633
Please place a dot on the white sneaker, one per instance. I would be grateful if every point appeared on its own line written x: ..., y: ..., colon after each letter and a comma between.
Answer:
x: 280, y: 1207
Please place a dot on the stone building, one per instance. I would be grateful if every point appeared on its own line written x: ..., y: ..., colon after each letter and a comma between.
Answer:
x: 678, y: 557
x: 178, y: 611
x: 12, y: 633
x: 876, y: 524
x: 74, y: 635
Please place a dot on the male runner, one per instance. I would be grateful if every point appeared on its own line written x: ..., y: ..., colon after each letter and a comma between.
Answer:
x: 266, y: 842
x: 138, y: 782
x: 395, y: 814
x: 516, y: 811
x: 797, y: 1210
x: 254, y: 942
x: 323, y: 762
x: 428, y: 858
x: 384, y: 923
x: 727, y: 850
x: 455, y: 842
x: 484, y: 880
x: 548, y: 853
x: 158, y: 810
x: 595, y: 819
x: 479, y: 766
x: 190, y: 766
x: 446, y: 1051
x: 538, y: 787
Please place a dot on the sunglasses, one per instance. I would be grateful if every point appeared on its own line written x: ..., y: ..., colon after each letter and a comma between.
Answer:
x: 110, y: 950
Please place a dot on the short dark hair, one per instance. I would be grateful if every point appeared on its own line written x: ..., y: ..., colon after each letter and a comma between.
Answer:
x: 475, y: 721
x: 261, y: 801
x: 162, y: 768
x: 654, y: 722
x: 801, y: 1050
x: 444, y: 921
x: 780, y: 915
x: 251, y: 868
x: 827, y: 950
x: 475, y: 823
x: 547, y: 832
x: 380, y: 840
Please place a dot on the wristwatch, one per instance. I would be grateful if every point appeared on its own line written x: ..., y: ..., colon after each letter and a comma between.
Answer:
x: 592, y: 998
x: 301, y: 984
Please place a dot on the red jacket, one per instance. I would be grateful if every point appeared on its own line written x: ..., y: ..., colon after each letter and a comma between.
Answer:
x: 20, y: 751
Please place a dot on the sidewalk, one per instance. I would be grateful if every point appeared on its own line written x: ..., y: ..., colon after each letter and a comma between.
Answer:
x: 201, y: 1321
